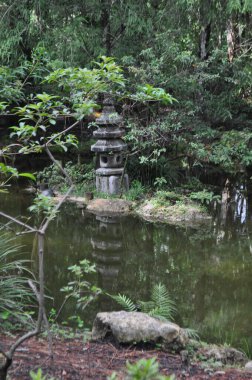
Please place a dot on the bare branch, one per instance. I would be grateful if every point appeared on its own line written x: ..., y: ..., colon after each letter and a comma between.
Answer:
x: 44, y: 226
x: 35, y: 291
x: 24, y: 233
x: 61, y: 307
x: 52, y: 157
x: 57, y: 164
x: 62, y: 132
x: 24, y: 337
x: 18, y: 222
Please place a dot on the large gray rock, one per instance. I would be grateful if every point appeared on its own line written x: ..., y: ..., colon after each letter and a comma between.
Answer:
x: 127, y: 327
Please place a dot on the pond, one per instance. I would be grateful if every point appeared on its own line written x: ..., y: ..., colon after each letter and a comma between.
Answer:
x: 207, y: 270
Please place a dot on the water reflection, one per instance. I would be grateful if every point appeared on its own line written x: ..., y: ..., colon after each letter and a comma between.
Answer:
x: 107, y: 244
x: 207, y: 271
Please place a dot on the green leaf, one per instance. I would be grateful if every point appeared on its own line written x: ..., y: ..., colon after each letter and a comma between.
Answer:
x: 28, y: 175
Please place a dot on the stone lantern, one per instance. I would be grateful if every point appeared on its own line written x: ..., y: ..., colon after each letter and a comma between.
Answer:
x: 110, y: 148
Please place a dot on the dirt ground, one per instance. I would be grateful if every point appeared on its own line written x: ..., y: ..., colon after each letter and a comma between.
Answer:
x: 74, y: 360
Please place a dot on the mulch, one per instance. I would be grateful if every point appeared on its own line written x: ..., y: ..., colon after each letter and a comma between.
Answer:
x: 75, y: 360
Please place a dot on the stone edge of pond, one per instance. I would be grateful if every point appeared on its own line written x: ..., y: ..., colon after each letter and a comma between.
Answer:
x: 181, y: 215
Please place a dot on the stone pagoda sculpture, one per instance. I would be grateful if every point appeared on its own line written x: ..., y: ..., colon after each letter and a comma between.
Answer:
x: 110, y: 148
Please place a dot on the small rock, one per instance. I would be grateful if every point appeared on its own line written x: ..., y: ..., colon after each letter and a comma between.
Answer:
x: 208, y: 370
x: 80, y: 206
x: 48, y: 193
x: 248, y: 366
x: 29, y: 190
x: 225, y: 355
x: 219, y: 373
x: 185, y: 357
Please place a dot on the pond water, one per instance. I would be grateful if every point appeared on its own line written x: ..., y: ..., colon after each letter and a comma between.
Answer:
x: 207, y: 270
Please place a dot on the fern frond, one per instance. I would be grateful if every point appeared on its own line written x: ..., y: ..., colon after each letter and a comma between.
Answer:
x: 157, y: 313
x: 146, y: 306
x: 191, y: 333
x: 162, y: 301
x: 160, y: 306
x: 125, y: 302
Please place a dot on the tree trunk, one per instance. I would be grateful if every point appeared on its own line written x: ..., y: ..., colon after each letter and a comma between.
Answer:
x: 3, y: 374
x: 4, y: 366
x: 230, y: 40
x: 106, y: 27
x: 204, y: 41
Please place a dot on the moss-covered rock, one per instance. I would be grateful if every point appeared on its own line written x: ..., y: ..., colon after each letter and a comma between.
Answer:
x: 178, y: 213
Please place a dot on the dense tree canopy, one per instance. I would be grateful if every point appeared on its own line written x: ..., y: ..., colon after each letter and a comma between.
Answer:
x: 197, y: 50
x: 77, y: 31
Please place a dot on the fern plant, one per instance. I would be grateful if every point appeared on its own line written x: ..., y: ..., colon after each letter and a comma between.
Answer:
x: 125, y: 302
x: 160, y: 305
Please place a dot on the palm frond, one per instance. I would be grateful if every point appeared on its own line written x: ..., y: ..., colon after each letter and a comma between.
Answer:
x: 125, y: 302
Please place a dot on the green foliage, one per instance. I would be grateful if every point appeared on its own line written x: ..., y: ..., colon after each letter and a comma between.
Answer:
x: 10, y: 86
x: 143, y: 369
x: 204, y: 197
x: 82, y: 175
x: 15, y: 295
x: 37, y: 119
x: 136, y: 191
x: 149, y: 93
x: 125, y: 302
x: 39, y: 375
x: 160, y: 182
x: 43, y: 112
x: 7, y: 173
x: 79, y: 288
x: 77, y: 319
x: 3, y: 106
x: 233, y: 150
x: 169, y: 197
x: 160, y: 305
x: 16, y: 83
x: 85, y: 84
x: 191, y: 333
x: 43, y: 204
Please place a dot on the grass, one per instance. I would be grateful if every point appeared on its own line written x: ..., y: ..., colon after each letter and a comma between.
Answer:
x: 15, y: 295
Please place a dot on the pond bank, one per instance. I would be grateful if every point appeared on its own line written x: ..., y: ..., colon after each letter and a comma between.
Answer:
x: 178, y: 214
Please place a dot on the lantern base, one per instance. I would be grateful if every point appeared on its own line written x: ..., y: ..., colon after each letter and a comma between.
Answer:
x: 112, y: 184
